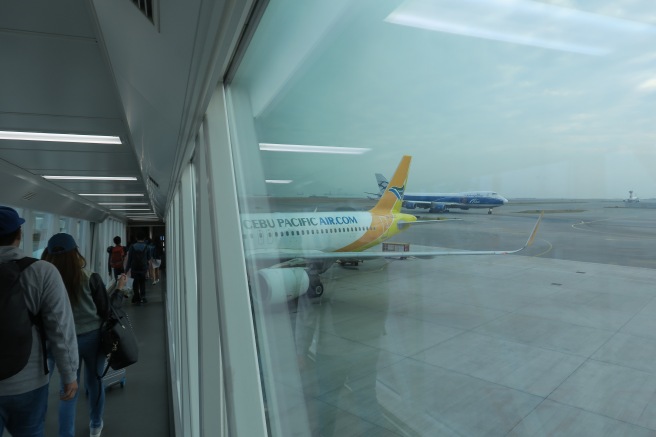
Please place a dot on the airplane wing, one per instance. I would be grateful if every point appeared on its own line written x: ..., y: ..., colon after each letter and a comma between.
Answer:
x: 426, y: 204
x: 403, y: 224
x: 293, y: 257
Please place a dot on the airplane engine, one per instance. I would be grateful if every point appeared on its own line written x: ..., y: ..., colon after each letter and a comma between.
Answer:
x: 437, y: 207
x: 282, y: 284
x: 410, y: 205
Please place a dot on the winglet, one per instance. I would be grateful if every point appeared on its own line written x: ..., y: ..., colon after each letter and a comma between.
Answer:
x: 535, y: 231
x: 392, y: 198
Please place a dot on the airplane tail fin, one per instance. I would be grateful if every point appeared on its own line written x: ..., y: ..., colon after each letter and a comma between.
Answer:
x: 392, y: 197
x: 382, y: 183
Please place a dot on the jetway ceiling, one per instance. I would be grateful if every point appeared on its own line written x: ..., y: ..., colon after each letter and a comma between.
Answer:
x: 94, y: 67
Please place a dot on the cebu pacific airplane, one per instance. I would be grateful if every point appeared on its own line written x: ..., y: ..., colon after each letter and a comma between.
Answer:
x: 288, y: 251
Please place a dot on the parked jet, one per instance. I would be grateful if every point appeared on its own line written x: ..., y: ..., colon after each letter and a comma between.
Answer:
x: 286, y: 252
x: 442, y: 202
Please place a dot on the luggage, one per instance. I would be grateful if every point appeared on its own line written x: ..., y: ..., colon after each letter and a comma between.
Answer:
x: 114, y: 377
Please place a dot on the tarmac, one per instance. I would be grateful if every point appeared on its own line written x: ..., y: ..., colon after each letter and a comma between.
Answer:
x: 559, y: 339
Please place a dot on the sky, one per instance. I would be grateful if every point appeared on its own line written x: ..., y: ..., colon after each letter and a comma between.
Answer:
x: 548, y: 99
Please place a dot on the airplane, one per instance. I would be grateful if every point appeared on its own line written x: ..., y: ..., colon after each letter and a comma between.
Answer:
x: 632, y: 198
x: 287, y: 251
x: 382, y: 185
x: 442, y: 202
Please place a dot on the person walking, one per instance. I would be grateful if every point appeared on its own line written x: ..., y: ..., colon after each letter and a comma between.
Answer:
x: 90, y: 303
x: 137, y: 266
x: 24, y: 395
x: 116, y: 261
x: 156, y: 260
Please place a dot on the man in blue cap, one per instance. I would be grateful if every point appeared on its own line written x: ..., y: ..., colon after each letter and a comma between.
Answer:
x: 24, y: 391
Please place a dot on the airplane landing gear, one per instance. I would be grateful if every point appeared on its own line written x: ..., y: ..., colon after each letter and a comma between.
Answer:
x: 489, y: 211
x: 316, y: 287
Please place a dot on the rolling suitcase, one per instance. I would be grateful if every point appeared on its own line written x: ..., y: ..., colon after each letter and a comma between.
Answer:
x: 114, y: 377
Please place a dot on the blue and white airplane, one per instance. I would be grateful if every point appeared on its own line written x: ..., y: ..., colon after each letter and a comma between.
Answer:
x: 442, y: 202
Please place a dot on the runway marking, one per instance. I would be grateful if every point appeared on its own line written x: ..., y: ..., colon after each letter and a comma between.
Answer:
x: 584, y: 223
x: 546, y: 251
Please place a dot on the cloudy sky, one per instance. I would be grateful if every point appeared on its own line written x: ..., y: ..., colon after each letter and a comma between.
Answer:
x: 527, y: 98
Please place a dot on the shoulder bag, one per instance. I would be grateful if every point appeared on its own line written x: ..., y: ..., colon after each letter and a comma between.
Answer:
x: 117, y: 340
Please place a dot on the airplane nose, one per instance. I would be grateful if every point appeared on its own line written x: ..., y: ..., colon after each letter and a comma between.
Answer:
x: 504, y: 200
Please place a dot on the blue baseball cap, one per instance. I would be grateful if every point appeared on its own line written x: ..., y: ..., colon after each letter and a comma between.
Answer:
x: 9, y: 220
x: 61, y: 243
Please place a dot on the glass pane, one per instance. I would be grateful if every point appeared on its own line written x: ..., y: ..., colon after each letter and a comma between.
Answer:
x: 507, y: 109
x: 40, y: 234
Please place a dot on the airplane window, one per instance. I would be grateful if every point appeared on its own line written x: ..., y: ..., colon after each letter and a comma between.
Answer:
x: 522, y: 92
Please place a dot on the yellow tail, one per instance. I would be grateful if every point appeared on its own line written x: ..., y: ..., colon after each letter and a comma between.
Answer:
x: 392, y: 198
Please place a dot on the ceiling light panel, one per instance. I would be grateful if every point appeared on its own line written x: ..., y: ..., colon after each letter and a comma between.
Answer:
x: 59, y: 138
x: 123, y: 203
x: 298, y: 148
x: 112, y: 194
x: 91, y: 178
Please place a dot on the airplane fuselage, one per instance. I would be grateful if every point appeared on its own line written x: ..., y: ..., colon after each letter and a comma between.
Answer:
x: 463, y: 200
x: 343, y: 231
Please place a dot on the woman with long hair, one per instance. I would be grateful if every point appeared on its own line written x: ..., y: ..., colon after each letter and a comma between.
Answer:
x: 90, y: 304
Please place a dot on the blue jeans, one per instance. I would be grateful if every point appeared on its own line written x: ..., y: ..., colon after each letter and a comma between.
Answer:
x: 88, y: 345
x: 139, y: 285
x: 24, y: 415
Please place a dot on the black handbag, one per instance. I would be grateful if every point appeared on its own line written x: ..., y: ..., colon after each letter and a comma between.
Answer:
x: 117, y: 340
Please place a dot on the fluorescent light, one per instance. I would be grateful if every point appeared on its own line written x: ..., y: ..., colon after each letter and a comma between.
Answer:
x: 312, y: 149
x: 91, y: 178
x: 113, y: 194
x: 129, y: 209
x: 278, y: 181
x: 59, y: 138
x: 123, y: 203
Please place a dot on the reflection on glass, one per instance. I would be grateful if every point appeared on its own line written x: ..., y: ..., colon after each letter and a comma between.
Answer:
x: 546, y: 102
x: 40, y: 233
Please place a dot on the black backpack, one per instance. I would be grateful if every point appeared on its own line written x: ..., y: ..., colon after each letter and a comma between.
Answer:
x: 138, y: 261
x: 16, y: 321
